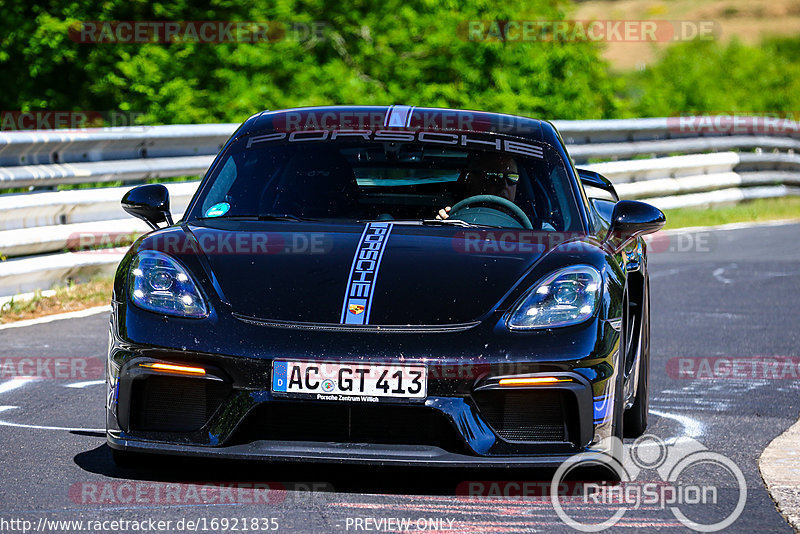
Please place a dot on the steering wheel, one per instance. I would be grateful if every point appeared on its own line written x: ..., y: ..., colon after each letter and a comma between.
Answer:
x: 509, y: 206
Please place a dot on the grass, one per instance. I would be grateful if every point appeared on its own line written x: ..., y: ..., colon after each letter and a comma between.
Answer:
x: 72, y: 297
x: 97, y: 291
x: 767, y: 209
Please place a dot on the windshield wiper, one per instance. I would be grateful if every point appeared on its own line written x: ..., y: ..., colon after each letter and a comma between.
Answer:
x: 281, y: 217
x: 431, y: 222
x: 454, y: 222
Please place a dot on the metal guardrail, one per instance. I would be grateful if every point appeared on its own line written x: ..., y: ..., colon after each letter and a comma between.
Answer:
x: 36, y: 227
x: 45, y: 147
x: 103, y: 171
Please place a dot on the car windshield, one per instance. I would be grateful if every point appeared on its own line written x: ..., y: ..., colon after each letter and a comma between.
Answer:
x: 485, y: 179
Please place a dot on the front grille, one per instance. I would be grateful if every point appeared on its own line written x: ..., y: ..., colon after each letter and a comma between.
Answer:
x: 342, y: 423
x: 174, y: 404
x: 527, y: 415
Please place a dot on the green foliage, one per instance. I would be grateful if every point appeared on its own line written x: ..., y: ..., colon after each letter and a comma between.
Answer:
x: 706, y: 77
x: 396, y: 51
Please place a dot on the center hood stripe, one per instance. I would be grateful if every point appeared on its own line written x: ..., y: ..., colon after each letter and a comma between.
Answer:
x: 364, y: 273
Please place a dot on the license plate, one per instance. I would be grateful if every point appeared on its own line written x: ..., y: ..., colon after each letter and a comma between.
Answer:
x: 349, y: 381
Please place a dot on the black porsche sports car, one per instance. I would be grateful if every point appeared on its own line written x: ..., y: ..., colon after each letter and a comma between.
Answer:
x: 388, y: 285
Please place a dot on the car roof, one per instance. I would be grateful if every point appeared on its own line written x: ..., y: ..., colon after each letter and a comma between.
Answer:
x: 402, y: 117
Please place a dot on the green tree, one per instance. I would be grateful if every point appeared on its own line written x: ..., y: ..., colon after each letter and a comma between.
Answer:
x: 708, y: 77
x: 398, y: 51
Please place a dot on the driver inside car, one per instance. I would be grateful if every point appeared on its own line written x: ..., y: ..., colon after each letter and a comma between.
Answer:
x: 488, y: 174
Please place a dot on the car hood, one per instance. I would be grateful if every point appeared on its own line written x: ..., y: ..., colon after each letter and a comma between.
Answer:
x: 304, y: 272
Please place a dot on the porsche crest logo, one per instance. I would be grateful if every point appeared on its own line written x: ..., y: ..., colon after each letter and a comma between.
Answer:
x: 355, y: 309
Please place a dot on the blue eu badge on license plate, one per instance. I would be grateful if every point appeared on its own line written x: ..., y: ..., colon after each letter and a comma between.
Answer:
x: 279, y: 372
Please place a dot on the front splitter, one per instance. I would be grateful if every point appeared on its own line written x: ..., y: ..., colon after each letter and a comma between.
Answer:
x: 342, y: 453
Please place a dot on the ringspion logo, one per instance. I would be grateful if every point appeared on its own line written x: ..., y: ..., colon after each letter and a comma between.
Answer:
x: 704, y: 490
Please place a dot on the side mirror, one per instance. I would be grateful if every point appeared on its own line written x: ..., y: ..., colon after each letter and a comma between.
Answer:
x: 632, y: 219
x: 148, y: 202
x: 598, y: 181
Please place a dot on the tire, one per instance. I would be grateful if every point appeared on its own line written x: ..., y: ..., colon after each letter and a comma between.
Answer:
x: 636, y: 416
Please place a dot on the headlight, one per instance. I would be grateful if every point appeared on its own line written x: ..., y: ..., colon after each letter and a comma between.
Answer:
x: 159, y: 283
x: 566, y: 297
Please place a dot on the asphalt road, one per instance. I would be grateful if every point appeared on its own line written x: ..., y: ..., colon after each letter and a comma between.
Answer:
x: 724, y: 294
